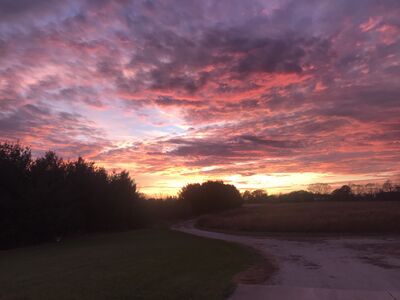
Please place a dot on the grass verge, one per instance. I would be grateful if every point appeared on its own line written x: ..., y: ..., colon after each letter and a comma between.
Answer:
x: 143, y: 264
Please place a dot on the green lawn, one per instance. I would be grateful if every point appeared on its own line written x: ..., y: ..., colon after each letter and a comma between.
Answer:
x: 143, y: 264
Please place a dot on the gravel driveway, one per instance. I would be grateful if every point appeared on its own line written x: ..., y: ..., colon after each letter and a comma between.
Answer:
x: 340, y: 267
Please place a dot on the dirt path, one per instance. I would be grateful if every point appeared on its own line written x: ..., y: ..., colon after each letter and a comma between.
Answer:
x: 348, y: 265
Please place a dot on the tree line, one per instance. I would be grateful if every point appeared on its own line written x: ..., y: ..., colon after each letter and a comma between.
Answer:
x: 388, y: 191
x: 47, y: 198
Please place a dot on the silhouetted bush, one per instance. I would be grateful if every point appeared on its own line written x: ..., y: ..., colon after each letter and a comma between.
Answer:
x: 47, y: 198
x: 210, y: 196
x: 165, y: 211
x: 256, y: 196
x: 298, y: 196
x: 342, y: 194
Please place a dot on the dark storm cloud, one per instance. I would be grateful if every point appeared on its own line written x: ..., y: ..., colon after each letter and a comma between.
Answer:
x: 273, y: 143
x: 179, y: 62
x: 12, y: 8
x: 29, y: 117
x: 202, y: 149
x: 25, y: 118
x: 363, y: 103
x: 233, y: 147
x: 63, y: 129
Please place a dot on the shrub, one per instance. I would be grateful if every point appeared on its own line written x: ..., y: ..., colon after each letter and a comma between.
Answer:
x: 256, y: 196
x: 342, y: 193
x: 210, y: 196
x: 298, y: 196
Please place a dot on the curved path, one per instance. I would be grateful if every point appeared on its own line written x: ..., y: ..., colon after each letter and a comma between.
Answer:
x: 320, y: 267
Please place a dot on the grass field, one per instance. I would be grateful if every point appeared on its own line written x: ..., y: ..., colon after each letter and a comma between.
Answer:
x: 310, y: 217
x: 143, y: 264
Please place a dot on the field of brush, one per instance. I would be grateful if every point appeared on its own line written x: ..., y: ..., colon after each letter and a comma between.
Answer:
x: 310, y: 217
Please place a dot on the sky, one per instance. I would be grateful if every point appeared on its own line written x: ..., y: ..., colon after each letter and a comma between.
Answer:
x: 260, y: 94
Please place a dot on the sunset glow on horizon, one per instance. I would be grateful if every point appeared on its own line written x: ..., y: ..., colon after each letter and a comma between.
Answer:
x: 260, y: 94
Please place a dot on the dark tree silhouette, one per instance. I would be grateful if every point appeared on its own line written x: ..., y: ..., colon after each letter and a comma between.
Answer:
x: 296, y: 196
x: 319, y: 188
x: 210, y: 196
x: 256, y: 196
x: 47, y: 198
x: 342, y: 193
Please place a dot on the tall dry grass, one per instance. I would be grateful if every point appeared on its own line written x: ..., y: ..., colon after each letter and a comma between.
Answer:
x: 310, y: 217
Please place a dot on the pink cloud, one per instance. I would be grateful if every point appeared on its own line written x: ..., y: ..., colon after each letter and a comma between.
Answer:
x: 210, y: 89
